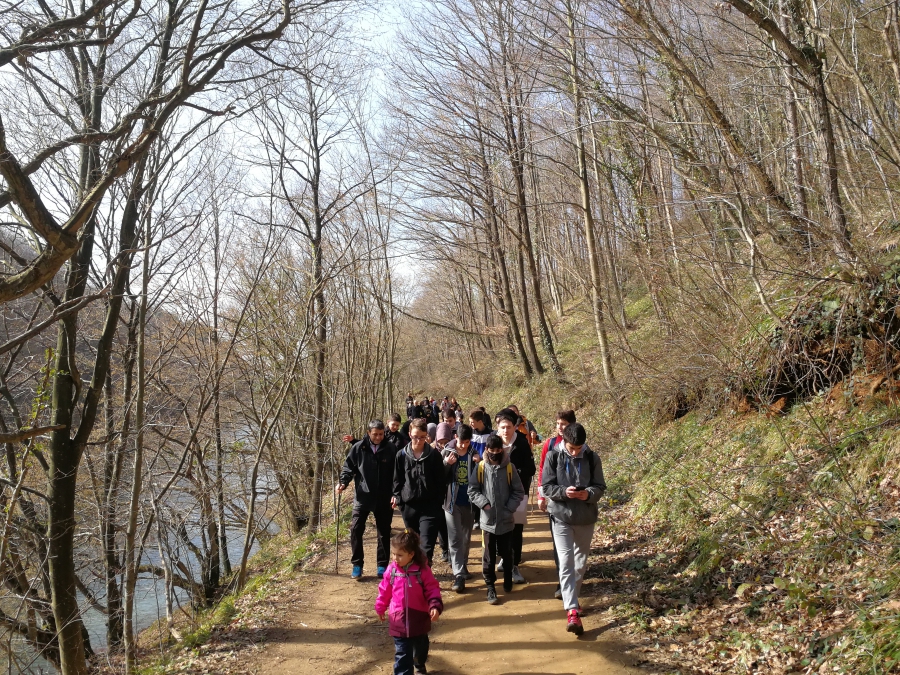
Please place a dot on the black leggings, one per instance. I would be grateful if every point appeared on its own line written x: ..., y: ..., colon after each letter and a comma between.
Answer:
x: 423, y: 520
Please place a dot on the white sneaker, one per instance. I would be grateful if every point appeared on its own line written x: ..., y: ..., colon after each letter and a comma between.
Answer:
x: 500, y: 565
x: 516, y: 576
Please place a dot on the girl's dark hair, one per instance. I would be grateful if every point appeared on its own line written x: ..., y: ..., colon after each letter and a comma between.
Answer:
x: 408, y: 541
x: 494, y: 442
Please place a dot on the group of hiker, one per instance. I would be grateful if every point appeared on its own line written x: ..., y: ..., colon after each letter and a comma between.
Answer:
x: 449, y: 478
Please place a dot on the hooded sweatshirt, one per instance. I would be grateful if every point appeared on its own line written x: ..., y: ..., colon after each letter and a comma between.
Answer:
x: 500, y: 488
x: 458, y: 475
x: 561, y: 471
x: 419, y: 482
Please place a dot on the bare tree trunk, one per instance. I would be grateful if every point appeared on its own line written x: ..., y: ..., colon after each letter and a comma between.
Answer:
x: 131, y: 559
x: 217, y: 418
x: 584, y: 185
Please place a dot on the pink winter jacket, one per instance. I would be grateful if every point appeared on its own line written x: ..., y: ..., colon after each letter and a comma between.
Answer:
x: 408, y: 595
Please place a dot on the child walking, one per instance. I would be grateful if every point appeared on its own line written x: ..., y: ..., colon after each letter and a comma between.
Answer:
x: 496, y: 489
x: 411, y: 597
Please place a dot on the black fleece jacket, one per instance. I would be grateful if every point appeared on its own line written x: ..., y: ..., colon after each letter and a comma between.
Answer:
x: 420, y: 482
x: 373, y: 473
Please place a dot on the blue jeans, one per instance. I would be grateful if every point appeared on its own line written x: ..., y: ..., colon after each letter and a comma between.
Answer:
x: 410, y: 651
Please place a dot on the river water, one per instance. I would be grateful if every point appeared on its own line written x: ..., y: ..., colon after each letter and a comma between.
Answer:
x: 150, y: 599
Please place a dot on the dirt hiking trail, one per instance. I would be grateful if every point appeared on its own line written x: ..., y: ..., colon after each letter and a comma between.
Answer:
x: 332, y: 628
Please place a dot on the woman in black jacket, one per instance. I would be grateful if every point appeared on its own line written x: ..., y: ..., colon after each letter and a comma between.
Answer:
x: 419, y: 484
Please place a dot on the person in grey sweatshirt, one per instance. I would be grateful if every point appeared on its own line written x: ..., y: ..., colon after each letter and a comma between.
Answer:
x: 461, y: 461
x: 572, y: 483
x: 496, y: 489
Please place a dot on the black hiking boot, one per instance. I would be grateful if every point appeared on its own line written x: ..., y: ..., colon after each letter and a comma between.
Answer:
x: 492, y: 595
x: 459, y: 584
x: 421, y: 669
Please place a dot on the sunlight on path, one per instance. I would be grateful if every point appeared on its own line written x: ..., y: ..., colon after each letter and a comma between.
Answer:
x: 334, y: 629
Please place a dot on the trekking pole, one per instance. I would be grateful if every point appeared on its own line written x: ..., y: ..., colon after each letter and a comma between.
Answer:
x: 533, y: 490
x: 337, y: 532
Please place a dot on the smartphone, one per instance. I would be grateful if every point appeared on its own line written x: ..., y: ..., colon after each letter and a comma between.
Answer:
x: 580, y: 488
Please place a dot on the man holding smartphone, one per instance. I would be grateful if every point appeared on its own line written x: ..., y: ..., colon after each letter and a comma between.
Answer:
x: 572, y: 482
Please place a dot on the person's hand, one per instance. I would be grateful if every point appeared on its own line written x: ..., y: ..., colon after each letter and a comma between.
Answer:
x: 346, y: 438
x: 435, y: 615
x: 542, y: 504
x: 572, y: 493
x: 393, y: 502
x: 487, y: 507
x: 381, y: 617
x: 339, y: 488
x: 450, y: 459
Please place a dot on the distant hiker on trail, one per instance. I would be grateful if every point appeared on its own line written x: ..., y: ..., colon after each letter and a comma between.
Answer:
x: 516, y: 444
x: 496, y: 489
x: 419, y: 486
x: 573, y: 483
x: 435, y: 415
x: 563, y: 419
x: 395, y: 432
x: 370, y: 463
x: 460, y: 462
x: 525, y: 427
x: 409, y: 399
x: 414, y: 410
x: 410, y: 596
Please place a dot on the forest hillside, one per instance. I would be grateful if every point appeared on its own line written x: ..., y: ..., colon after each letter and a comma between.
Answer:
x: 234, y: 233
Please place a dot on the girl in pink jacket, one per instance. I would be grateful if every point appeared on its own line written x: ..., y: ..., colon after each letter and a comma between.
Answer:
x: 411, y: 597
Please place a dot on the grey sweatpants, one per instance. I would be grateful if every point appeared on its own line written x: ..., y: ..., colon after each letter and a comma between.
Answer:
x: 573, y: 543
x: 459, y: 536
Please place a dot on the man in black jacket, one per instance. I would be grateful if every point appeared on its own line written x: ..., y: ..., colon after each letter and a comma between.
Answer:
x: 414, y: 410
x: 419, y: 485
x: 395, y: 433
x: 370, y: 463
x: 519, y: 449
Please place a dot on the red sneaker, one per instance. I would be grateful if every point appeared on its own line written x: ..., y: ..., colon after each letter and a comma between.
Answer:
x: 573, y: 624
